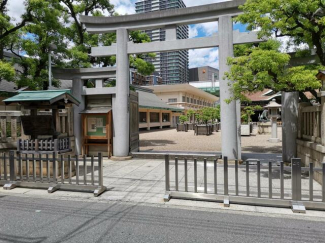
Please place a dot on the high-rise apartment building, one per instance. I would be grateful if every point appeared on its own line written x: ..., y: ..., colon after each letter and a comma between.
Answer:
x: 172, y: 66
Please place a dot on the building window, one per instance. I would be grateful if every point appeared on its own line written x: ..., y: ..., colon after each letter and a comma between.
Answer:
x: 183, y: 98
x: 188, y: 100
x: 154, y: 117
x: 165, y: 117
x: 173, y: 100
x: 143, y: 117
x: 192, y: 100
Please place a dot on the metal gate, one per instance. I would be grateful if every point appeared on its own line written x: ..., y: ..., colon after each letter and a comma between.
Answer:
x: 134, y: 121
x: 52, y: 172
x: 254, y: 183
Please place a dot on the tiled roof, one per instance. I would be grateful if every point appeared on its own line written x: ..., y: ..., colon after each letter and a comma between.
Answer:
x: 262, y: 95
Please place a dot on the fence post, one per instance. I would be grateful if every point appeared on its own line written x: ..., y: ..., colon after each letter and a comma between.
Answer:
x: 12, y: 172
x: 100, y: 165
x: 296, y: 179
x: 101, y: 188
x: 12, y: 165
x: 167, y: 172
x: 225, y: 169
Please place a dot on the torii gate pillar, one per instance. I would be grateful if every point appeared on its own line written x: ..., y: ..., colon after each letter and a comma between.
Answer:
x: 120, y: 103
x: 230, y: 127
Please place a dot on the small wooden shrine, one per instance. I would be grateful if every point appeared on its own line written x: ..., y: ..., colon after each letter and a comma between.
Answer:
x: 49, y: 122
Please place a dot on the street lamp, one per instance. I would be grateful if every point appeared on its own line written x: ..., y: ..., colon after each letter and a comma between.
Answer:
x: 52, y: 47
x: 274, y: 113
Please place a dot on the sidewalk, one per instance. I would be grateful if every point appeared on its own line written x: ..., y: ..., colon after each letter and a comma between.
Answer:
x: 142, y: 181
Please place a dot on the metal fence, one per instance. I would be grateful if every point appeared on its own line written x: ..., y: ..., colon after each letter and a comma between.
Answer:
x: 52, y: 172
x: 254, y: 183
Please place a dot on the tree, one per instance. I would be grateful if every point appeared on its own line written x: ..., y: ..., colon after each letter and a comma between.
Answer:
x: 7, y: 71
x: 302, y: 21
x: 190, y: 114
x: 182, y: 119
x: 8, y: 32
x: 264, y: 66
x: 57, y: 22
x: 248, y: 111
x: 83, y: 41
x: 216, y: 113
x: 35, y: 40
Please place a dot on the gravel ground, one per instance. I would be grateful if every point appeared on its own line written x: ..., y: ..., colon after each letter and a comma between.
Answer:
x: 171, y: 140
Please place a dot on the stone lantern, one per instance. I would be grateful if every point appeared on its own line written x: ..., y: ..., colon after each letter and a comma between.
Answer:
x: 274, y: 113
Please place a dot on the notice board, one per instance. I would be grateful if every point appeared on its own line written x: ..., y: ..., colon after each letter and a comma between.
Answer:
x: 96, y: 125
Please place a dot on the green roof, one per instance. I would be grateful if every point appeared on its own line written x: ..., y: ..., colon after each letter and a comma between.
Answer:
x: 50, y: 96
x: 151, y: 101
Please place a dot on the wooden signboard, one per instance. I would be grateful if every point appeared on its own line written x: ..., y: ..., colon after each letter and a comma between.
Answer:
x: 97, y: 131
x: 96, y: 126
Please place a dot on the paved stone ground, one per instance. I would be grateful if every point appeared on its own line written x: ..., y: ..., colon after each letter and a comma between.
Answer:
x: 171, y: 140
x: 143, y: 182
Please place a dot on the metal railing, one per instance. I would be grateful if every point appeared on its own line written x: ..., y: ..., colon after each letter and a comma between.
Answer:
x: 52, y: 172
x: 255, y: 183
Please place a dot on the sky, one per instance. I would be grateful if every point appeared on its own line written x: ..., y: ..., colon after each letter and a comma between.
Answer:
x: 197, y: 57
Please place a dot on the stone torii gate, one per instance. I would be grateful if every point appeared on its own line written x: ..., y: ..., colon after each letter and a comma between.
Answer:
x: 169, y: 20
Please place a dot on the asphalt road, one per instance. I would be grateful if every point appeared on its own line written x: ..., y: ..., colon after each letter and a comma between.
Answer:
x: 30, y: 220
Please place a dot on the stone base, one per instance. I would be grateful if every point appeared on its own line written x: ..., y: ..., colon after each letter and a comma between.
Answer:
x: 116, y: 158
x: 274, y: 140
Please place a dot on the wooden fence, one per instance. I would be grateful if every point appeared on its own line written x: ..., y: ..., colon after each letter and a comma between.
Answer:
x: 310, y: 123
x: 11, y: 128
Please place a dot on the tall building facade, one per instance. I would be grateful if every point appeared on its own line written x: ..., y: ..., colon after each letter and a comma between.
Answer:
x: 172, y: 66
x: 203, y: 73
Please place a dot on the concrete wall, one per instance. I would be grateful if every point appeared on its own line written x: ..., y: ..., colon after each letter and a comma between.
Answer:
x: 180, y: 104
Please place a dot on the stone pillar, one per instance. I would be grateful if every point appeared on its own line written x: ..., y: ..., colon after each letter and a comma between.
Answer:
x: 289, y: 125
x: 229, y: 128
x: 77, y: 86
x: 121, y: 112
x: 98, y: 83
x: 171, y: 33
x: 274, y: 130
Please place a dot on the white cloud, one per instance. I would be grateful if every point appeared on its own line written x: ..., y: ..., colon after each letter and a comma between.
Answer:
x: 15, y: 10
x: 204, y: 57
x: 206, y: 29
x: 193, y: 31
x: 124, y: 6
x: 124, y: 9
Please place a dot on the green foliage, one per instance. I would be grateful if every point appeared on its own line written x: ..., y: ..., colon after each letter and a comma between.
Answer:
x: 207, y: 114
x: 7, y: 71
x: 302, y: 21
x: 190, y: 114
x: 248, y: 111
x: 264, y: 66
x: 57, y: 22
x: 182, y: 119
